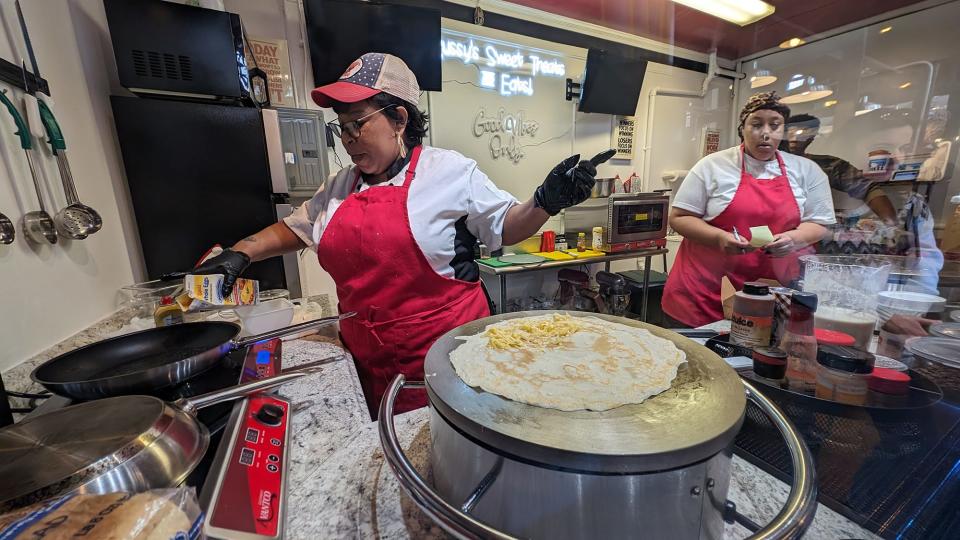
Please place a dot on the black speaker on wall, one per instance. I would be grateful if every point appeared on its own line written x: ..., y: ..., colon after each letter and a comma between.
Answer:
x: 340, y: 31
x: 611, y: 83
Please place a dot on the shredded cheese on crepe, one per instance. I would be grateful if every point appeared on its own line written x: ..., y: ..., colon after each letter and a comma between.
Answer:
x: 541, y: 333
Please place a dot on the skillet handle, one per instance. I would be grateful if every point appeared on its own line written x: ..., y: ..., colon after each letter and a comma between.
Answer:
x: 288, y: 330
x: 236, y: 392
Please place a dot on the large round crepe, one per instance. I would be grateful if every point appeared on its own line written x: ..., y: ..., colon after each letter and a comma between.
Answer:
x: 599, y: 366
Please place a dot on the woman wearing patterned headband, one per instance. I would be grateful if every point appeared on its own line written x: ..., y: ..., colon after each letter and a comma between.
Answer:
x: 727, y: 193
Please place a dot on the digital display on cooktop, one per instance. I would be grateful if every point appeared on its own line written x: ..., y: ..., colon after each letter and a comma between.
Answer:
x: 246, y: 456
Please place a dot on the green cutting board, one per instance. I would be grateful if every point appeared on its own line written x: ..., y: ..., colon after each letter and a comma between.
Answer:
x: 493, y: 262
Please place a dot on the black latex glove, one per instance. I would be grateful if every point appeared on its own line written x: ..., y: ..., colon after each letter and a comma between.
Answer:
x: 569, y: 183
x: 230, y: 263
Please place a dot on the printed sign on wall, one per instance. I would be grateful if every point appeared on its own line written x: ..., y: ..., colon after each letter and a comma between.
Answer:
x: 711, y: 141
x: 623, y: 136
x: 272, y: 58
x: 506, y: 132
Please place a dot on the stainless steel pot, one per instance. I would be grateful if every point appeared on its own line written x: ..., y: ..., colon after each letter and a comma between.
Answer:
x: 603, y: 188
x: 125, y: 443
x: 504, y: 469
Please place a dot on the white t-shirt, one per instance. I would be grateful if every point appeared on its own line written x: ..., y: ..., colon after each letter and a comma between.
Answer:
x: 448, y: 187
x: 710, y: 185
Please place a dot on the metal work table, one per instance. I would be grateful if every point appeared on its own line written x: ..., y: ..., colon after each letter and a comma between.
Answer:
x: 647, y: 254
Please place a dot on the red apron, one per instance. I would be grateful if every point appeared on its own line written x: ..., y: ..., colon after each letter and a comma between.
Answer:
x: 402, y: 304
x: 692, y: 292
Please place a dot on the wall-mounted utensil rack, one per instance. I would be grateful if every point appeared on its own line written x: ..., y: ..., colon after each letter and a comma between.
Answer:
x: 11, y: 73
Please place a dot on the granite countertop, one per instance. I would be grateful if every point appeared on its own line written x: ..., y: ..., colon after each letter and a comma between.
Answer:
x: 338, y: 484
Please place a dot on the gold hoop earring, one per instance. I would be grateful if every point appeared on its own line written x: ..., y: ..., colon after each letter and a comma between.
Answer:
x: 403, y: 147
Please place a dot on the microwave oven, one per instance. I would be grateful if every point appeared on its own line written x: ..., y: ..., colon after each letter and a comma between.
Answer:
x: 630, y: 221
x: 177, y: 51
x: 635, y: 221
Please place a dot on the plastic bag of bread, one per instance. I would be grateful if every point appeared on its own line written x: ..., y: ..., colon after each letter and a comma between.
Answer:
x: 167, y: 514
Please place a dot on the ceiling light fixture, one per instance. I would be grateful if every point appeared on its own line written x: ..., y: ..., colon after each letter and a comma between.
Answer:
x: 905, y: 85
x: 791, y: 43
x: 763, y: 77
x: 812, y: 93
x: 741, y: 12
x: 886, y: 29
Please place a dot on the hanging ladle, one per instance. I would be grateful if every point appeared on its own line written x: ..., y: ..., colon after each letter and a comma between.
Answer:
x: 37, y: 225
x: 7, y: 231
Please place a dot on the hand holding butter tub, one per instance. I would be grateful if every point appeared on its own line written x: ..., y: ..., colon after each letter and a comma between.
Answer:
x: 779, y: 204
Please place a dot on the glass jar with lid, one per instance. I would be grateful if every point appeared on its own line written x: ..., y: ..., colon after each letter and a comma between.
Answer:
x: 843, y: 374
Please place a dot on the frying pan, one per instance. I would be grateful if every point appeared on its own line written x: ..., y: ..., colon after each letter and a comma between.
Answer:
x: 124, y: 443
x: 150, y: 360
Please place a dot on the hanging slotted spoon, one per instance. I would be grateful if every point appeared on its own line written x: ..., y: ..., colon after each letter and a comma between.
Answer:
x: 76, y: 220
x: 37, y: 225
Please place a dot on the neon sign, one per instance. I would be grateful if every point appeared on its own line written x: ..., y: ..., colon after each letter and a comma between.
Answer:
x: 504, y: 68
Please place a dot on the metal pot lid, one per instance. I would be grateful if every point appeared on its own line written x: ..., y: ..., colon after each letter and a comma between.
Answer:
x: 693, y: 420
x: 947, y: 330
x: 58, y: 451
x: 941, y: 350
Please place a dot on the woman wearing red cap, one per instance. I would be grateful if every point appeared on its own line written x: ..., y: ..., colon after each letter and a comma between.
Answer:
x: 396, y: 230
x: 727, y: 193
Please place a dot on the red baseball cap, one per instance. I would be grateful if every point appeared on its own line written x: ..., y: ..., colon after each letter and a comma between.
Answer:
x: 366, y: 77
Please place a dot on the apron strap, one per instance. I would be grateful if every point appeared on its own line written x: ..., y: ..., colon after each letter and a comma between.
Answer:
x: 743, y: 162
x: 411, y: 170
x: 412, y: 166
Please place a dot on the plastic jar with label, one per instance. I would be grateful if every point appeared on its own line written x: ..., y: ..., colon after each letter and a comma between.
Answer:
x: 597, y: 237
x: 752, y: 317
x: 843, y: 374
x: 770, y: 363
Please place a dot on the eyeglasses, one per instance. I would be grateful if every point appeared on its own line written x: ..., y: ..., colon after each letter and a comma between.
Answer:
x: 353, y: 128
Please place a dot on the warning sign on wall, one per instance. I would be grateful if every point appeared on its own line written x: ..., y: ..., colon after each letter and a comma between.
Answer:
x: 623, y: 134
x: 272, y: 58
x: 711, y: 141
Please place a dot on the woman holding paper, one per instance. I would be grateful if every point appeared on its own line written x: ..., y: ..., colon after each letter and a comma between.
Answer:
x: 746, y: 213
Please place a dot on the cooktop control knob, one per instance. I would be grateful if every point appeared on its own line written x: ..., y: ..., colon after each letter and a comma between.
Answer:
x: 270, y: 414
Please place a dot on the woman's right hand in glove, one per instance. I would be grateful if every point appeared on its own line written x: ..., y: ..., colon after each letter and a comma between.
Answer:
x: 569, y: 183
x: 230, y: 263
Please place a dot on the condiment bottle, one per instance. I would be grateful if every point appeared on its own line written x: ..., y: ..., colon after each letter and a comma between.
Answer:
x: 581, y: 242
x: 168, y: 313
x: 781, y: 313
x: 752, y: 316
x: 844, y: 374
x: 799, y: 342
x: 597, y: 238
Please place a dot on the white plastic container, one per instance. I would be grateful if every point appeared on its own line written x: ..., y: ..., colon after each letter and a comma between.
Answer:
x: 265, y: 316
x: 916, y: 304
